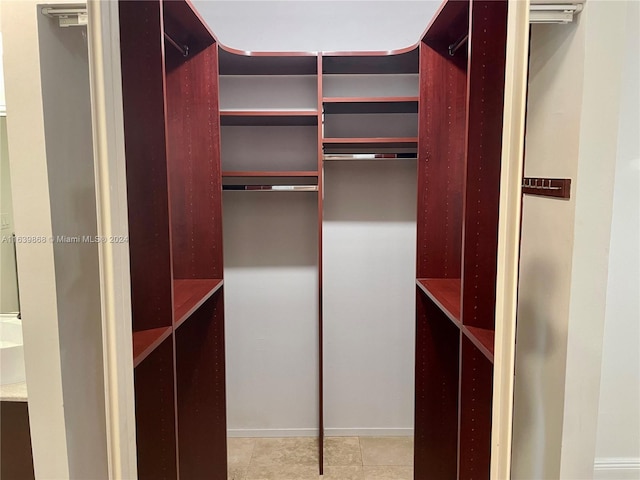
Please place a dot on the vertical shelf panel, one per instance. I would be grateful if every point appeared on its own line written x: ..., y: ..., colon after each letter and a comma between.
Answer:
x: 436, y: 411
x: 144, y: 132
x: 200, y: 368
x: 155, y: 415
x: 486, y: 102
x: 194, y: 164
x: 440, y: 165
x: 475, y: 413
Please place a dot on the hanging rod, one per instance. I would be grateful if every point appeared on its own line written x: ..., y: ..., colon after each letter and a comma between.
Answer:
x: 183, y: 49
x: 272, y: 188
x: 454, y: 47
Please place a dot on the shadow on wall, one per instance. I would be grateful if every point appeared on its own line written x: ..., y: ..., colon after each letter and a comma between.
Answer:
x: 264, y: 229
x: 370, y: 191
x: 534, y: 343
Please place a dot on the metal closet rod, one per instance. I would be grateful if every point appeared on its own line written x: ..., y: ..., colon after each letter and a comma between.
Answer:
x: 183, y: 49
x: 454, y: 47
x: 271, y: 188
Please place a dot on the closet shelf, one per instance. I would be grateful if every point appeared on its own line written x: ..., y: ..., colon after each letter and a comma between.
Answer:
x: 283, y: 174
x: 347, y: 105
x: 146, y: 341
x: 445, y: 293
x: 371, y: 142
x: 268, y: 117
x: 482, y: 338
x: 189, y: 295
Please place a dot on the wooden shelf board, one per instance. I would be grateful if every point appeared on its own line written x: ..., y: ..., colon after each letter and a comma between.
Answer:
x: 269, y: 113
x: 146, y: 341
x: 369, y: 99
x: 283, y: 174
x: 482, y: 338
x: 189, y: 294
x: 268, y: 117
x: 380, y: 142
x: 370, y: 105
x: 445, y: 293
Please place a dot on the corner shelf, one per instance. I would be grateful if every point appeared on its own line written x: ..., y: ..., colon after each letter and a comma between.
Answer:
x: 482, y: 338
x: 268, y: 117
x: 259, y: 174
x: 189, y: 294
x: 366, y: 105
x: 382, y: 142
x: 146, y: 341
x: 445, y: 293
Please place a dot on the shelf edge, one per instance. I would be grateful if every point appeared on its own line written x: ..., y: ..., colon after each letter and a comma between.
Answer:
x: 179, y: 321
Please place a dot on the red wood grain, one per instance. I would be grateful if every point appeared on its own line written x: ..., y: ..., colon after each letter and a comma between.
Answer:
x: 146, y: 341
x: 194, y: 165
x: 484, y: 150
x: 144, y: 135
x: 440, y: 166
x: 190, y: 294
x: 436, y: 392
x: 445, y: 293
x: 476, y: 391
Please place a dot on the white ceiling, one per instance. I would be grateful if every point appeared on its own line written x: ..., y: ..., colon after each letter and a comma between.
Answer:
x: 317, y: 25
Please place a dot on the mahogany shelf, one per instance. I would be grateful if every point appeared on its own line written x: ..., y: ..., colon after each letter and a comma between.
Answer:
x: 482, y: 338
x: 268, y: 117
x: 368, y: 105
x: 189, y: 294
x: 382, y: 142
x: 283, y: 174
x: 146, y: 341
x: 445, y: 293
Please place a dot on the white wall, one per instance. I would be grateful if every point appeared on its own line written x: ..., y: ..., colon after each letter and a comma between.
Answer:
x: 369, y: 297
x: 573, y: 106
x: 271, y: 311
x: 312, y: 25
x: 46, y: 80
x: 618, y: 441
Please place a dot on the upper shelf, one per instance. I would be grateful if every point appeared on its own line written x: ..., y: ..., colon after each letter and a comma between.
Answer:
x: 482, y: 338
x: 445, y: 293
x: 370, y: 143
x: 383, y: 64
x: 146, y: 341
x: 347, y: 105
x: 268, y: 117
x: 189, y: 294
x: 232, y: 64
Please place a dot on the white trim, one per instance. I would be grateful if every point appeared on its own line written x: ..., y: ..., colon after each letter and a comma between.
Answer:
x: 111, y: 202
x: 616, y: 468
x: 515, y: 96
x: 313, y: 432
x: 272, y: 432
x: 368, y: 432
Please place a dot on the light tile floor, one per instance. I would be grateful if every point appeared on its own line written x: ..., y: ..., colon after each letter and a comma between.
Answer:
x: 345, y: 458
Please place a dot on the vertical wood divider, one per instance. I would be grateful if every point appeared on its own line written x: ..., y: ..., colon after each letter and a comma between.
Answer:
x: 320, y: 295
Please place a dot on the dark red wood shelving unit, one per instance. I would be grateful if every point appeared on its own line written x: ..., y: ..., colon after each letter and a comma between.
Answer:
x: 459, y: 154
x: 171, y: 127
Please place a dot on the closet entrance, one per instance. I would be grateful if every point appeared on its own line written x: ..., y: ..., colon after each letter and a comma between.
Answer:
x: 312, y: 158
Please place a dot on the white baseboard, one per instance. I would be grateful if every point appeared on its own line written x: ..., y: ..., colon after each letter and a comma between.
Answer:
x: 272, y: 432
x: 313, y: 432
x: 368, y: 432
x: 624, y: 468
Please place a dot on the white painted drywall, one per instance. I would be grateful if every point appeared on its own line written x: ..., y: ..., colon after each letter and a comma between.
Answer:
x: 618, y: 441
x: 316, y: 26
x: 46, y: 80
x: 271, y: 311
x: 369, y: 297
x: 571, y: 132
